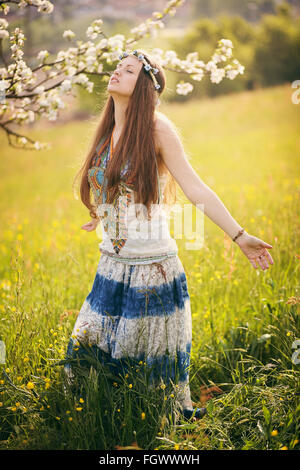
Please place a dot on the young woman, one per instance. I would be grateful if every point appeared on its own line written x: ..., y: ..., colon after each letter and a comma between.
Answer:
x: 139, y: 305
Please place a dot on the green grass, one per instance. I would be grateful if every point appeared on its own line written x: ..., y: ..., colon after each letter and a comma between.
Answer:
x: 246, y: 148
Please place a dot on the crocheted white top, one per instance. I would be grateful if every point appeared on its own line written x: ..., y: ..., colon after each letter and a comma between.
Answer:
x: 127, y: 235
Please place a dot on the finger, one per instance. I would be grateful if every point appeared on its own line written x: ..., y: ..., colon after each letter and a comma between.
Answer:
x: 266, y: 245
x: 269, y: 257
x: 253, y: 262
x: 261, y: 263
x: 264, y: 263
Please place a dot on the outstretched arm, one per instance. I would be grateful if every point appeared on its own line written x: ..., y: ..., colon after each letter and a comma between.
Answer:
x: 198, y: 192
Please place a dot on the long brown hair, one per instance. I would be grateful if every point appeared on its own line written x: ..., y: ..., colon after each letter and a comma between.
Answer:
x: 136, y: 145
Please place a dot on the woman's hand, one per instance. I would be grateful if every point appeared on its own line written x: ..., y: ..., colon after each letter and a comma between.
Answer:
x: 255, y: 250
x: 91, y: 225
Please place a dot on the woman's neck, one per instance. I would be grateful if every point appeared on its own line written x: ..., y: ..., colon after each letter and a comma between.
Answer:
x: 120, y: 109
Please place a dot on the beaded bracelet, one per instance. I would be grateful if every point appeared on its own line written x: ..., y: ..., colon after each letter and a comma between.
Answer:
x: 239, y: 233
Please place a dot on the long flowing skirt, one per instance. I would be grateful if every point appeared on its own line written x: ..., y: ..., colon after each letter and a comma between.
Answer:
x: 142, y: 312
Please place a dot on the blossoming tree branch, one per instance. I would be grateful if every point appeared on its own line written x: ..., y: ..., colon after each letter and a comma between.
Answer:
x: 29, y: 93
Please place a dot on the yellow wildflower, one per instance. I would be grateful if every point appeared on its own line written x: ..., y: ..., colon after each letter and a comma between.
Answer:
x: 130, y: 385
x: 13, y: 408
x: 78, y: 408
x: 18, y: 403
x: 283, y: 448
x: 81, y: 400
x: 1, y: 404
x: 70, y: 419
x: 274, y: 432
x: 143, y: 416
x: 26, y: 359
x: 162, y: 386
x: 176, y: 447
x: 30, y: 385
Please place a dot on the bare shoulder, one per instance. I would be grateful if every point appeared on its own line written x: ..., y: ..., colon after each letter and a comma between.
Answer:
x: 163, y: 125
x: 164, y: 128
x: 174, y: 157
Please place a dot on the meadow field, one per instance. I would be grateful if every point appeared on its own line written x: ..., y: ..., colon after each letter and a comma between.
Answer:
x: 246, y: 147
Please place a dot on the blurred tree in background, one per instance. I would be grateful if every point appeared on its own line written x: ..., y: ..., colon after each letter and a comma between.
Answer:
x: 269, y: 49
x: 251, y: 10
x: 265, y: 34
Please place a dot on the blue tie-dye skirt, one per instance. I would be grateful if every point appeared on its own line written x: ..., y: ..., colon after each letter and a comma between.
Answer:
x: 138, y: 312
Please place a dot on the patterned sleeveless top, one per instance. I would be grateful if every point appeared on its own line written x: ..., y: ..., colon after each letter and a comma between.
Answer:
x: 116, y: 218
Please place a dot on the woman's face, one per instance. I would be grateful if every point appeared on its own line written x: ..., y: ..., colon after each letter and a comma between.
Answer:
x: 123, y: 80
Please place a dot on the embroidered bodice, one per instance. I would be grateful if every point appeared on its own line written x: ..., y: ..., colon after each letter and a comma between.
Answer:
x: 115, y: 217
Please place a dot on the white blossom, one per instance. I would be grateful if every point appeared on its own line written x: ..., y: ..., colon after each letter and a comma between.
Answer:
x: 217, y: 75
x: 184, y: 88
x: 70, y: 71
x: 192, y: 56
x: 40, y: 89
x: 44, y: 6
x: 231, y: 74
x: 116, y: 41
x: 98, y: 22
x: 102, y: 44
x: 198, y: 76
x: 90, y: 56
x: 68, y: 34
x: 3, y: 72
x: 3, y: 34
x: 3, y: 23
x: 226, y: 43
x: 5, y: 8
x: 42, y: 55
x: 90, y: 33
x: 81, y: 79
x: 66, y: 85
x: 4, y: 84
x: 23, y: 140
x: 211, y: 66
x: 37, y: 145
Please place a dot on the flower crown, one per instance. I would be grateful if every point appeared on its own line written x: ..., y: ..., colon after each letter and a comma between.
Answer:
x: 152, y: 70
